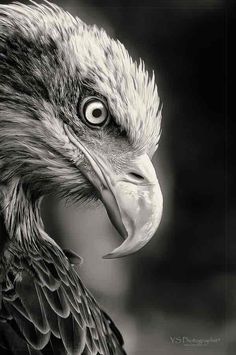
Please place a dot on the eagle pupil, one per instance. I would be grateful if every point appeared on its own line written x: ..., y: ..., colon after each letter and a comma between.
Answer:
x: 97, y: 112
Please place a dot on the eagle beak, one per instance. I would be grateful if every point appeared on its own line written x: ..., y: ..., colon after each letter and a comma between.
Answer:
x: 134, y: 204
x: 133, y: 200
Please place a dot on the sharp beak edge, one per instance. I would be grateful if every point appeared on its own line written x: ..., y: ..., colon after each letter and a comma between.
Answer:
x: 133, y: 201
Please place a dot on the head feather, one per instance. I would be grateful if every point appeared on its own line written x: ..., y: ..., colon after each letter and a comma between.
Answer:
x: 86, y: 55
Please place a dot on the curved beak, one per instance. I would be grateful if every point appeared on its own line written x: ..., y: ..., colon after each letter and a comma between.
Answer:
x: 133, y: 201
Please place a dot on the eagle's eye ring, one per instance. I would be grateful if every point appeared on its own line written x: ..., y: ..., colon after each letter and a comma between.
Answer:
x: 94, y: 112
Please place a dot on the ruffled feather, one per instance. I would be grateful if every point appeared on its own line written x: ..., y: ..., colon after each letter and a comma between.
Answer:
x: 46, y: 305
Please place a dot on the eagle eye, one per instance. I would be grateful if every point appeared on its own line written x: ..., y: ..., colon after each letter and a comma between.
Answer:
x: 94, y: 112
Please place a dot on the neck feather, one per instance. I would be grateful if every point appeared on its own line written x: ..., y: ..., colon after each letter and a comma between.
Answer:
x: 20, y: 211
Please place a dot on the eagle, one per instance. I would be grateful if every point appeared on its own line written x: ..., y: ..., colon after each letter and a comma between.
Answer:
x: 81, y: 119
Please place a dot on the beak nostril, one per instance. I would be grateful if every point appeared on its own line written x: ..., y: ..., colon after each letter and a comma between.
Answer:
x: 136, y: 176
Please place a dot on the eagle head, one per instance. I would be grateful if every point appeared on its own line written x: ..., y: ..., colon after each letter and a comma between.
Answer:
x: 79, y: 117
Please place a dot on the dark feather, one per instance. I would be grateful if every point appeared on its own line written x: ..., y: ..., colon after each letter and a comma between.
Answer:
x: 66, y: 318
x: 33, y: 336
x: 54, y: 347
x: 52, y: 317
x: 46, y: 277
x: 73, y: 299
x: 31, y: 300
x: 86, y: 351
x: 72, y: 335
x: 11, y: 343
x: 90, y: 342
x: 77, y: 317
x: 73, y: 257
x: 57, y: 301
x: 20, y: 308
x: 113, y: 329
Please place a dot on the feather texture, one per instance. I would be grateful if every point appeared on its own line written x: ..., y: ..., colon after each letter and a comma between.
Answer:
x: 63, y: 319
